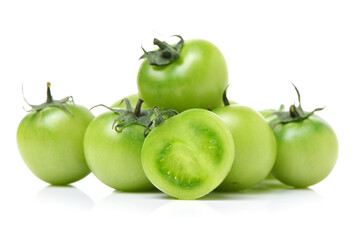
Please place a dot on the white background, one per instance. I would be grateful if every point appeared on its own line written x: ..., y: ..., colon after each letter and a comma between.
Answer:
x: 90, y: 50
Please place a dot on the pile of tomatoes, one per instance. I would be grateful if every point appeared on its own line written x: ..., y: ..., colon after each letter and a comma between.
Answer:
x: 179, y: 134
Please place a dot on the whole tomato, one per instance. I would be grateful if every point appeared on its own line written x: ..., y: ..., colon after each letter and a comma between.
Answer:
x: 112, y: 146
x: 191, y: 74
x: 307, y: 146
x: 50, y: 140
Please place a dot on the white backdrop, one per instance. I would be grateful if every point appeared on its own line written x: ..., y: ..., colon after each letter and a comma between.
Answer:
x: 90, y: 50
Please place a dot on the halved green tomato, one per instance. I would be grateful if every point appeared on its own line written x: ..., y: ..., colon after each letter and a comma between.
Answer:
x: 188, y: 155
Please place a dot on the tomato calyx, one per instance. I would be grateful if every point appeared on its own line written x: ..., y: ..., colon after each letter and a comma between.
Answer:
x: 295, y: 113
x: 166, y: 53
x: 130, y: 115
x: 50, y: 102
x: 159, y: 118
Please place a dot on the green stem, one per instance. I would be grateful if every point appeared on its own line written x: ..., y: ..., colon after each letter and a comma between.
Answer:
x: 166, y: 53
x: 49, y: 98
x: 225, y: 99
x: 160, y: 44
x: 293, y: 112
x: 50, y: 102
x: 137, y: 110
x: 129, y: 116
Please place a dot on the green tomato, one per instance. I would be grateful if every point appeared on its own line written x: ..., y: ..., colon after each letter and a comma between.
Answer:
x: 255, y: 147
x: 270, y: 115
x: 196, y: 79
x: 306, y: 152
x: 50, y: 142
x: 188, y: 155
x: 114, y: 157
x: 133, y: 98
x: 231, y: 102
x: 267, y: 113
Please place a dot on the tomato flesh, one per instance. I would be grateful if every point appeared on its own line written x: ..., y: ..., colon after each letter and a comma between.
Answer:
x: 188, y: 155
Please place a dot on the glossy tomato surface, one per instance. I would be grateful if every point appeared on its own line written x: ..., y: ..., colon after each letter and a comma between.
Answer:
x: 255, y: 147
x: 188, y: 155
x: 307, y: 151
x: 115, y: 157
x: 50, y: 142
x: 197, y: 79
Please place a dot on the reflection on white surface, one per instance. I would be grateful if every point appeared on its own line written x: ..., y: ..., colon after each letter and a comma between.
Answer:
x: 185, y: 209
x: 62, y: 199
x: 270, y: 196
x: 293, y: 199
x: 151, y: 204
x: 142, y: 203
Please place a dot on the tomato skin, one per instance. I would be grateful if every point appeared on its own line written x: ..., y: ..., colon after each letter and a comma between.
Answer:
x: 133, y: 98
x: 188, y: 155
x: 307, y: 152
x: 197, y: 79
x: 115, y: 157
x: 255, y: 147
x: 50, y: 142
